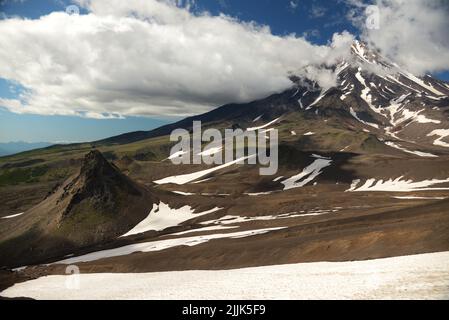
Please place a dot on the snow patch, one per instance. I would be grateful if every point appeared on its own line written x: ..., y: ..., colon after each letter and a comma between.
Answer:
x: 422, y: 83
x: 354, y: 114
x: 420, y: 198
x: 258, y: 118
x: 13, y: 216
x: 162, y: 217
x: 177, y: 155
x: 231, y: 220
x: 402, y: 84
x: 186, y: 178
x: 264, y: 126
x: 442, y: 133
x: 181, y: 193
x: 308, y: 174
x: 320, y: 97
x: 162, y: 245
x: 259, y: 194
x: 397, y: 185
x: 418, y: 153
x: 365, y: 95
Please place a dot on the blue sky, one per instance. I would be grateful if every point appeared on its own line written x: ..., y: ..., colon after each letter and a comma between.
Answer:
x: 63, y: 129
x: 283, y: 16
x: 317, y: 19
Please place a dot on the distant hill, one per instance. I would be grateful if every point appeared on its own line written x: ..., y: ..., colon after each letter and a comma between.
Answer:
x: 9, y: 148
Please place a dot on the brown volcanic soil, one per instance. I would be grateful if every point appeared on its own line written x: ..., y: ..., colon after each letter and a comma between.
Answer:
x: 370, y: 231
x: 20, y: 198
x: 366, y: 226
x: 351, y: 237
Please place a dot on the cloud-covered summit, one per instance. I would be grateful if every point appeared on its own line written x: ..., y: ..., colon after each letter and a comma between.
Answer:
x: 413, y: 33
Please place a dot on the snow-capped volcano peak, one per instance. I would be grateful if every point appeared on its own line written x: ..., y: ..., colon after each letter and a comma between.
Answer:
x: 363, y: 54
x: 371, y: 61
x: 383, y: 98
x: 360, y: 50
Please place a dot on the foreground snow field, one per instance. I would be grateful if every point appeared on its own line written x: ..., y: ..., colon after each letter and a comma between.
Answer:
x: 423, y: 276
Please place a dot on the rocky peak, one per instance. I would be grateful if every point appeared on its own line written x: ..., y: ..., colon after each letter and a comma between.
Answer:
x: 99, y: 183
x: 95, y: 166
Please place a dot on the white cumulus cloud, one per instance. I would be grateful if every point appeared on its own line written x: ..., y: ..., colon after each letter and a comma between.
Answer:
x: 149, y: 57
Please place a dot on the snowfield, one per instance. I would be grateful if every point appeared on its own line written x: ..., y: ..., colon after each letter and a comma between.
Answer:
x: 162, y: 217
x: 423, y: 276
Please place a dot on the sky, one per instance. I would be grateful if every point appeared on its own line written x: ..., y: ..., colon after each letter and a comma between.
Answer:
x: 84, y: 70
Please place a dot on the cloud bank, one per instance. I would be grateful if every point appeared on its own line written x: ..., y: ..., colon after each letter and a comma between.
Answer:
x: 149, y: 57
x: 413, y: 33
x: 158, y: 58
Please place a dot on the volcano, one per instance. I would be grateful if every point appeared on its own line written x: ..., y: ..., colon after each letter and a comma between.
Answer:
x: 401, y: 112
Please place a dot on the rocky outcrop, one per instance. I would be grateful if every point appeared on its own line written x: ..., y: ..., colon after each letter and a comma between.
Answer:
x: 94, y: 206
